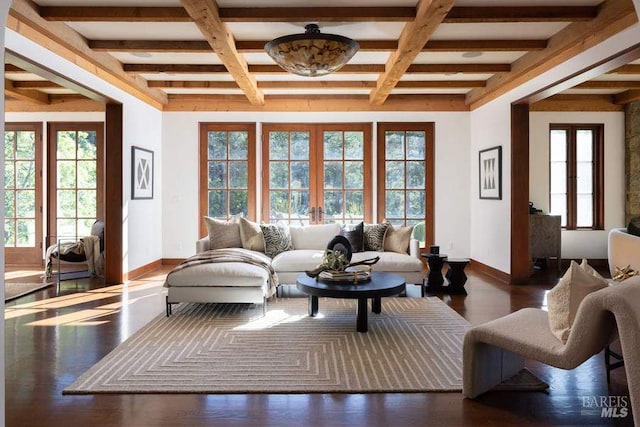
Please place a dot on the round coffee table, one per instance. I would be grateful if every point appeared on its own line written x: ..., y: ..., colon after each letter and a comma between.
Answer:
x: 380, y: 285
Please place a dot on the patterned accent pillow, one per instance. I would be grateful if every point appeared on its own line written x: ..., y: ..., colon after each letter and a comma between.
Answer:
x: 397, y: 239
x: 355, y: 236
x: 223, y: 233
x: 276, y: 239
x: 634, y: 226
x: 374, y: 237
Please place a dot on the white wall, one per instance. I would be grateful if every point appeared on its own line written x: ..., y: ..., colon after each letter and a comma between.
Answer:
x: 581, y: 243
x: 142, y: 126
x: 180, y: 172
x: 490, y: 126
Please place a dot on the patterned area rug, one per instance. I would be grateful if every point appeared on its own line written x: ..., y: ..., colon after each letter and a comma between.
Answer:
x: 16, y: 290
x: 414, y: 345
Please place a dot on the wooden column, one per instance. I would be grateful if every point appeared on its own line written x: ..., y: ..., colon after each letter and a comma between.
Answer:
x: 113, y: 194
x: 519, y: 193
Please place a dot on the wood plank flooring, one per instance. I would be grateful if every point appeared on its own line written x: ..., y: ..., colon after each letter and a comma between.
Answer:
x: 53, y: 336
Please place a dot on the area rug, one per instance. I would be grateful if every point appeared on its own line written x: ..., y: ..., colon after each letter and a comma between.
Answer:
x: 16, y: 290
x: 414, y: 345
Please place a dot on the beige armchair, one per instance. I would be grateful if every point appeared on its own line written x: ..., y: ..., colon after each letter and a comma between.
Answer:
x: 495, y: 351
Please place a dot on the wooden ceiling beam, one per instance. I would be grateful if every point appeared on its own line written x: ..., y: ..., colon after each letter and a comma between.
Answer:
x: 415, y: 34
x: 316, y: 14
x: 67, y: 43
x: 156, y: 46
x: 347, y: 69
x: 29, y: 95
x: 573, y: 102
x: 322, y: 14
x: 312, y: 85
x: 627, y: 97
x: 198, y: 46
x: 205, y: 14
x: 521, y: 14
x: 58, y: 103
x: 627, y: 69
x: 316, y: 103
x: 613, y: 17
x: 114, y: 14
x: 609, y: 84
x: 35, y: 84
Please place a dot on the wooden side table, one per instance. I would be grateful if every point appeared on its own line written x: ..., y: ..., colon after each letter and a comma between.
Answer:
x: 456, y: 276
x: 434, y: 279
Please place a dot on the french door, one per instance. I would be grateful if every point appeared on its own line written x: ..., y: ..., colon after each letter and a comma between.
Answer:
x: 316, y: 173
x: 76, y: 170
x: 23, y: 193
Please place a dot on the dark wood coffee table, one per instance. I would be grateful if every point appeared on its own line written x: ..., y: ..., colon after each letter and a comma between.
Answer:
x: 380, y: 285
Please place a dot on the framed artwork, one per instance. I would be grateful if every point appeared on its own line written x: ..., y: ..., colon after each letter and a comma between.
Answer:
x: 490, y: 168
x: 141, y: 173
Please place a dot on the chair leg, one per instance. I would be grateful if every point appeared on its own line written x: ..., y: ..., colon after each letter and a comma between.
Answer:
x: 608, y: 354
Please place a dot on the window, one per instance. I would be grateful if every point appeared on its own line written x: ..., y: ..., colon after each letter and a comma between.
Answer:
x: 75, y: 178
x: 23, y: 193
x: 227, y: 170
x: 576, y: 175
x: 316, y: 173
x: 405, y: 176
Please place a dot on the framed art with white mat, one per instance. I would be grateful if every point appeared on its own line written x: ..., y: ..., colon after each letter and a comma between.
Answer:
x: 141, y: 173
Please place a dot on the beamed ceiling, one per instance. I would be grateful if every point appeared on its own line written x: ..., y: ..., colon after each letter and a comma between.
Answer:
x: 445, y: 55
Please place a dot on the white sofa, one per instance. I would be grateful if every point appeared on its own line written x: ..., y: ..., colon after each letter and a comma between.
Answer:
x: 244, y: 283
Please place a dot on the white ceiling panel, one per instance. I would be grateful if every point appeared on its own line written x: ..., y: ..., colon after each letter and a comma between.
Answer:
x: 97, y: 3
x: 311, y: 92
x: 460, y: 58
x: 355, y: 30
x: 620, y: 77
x: 427, y: 91
x: 335, y: 76
x: 498, y: 31
x: 168, y: 58
x: 136, y: 31
x: 177, y: 91
x: 592, y: 91
x: 446, y: 77
x: 222, y: 77
x: 315, y: 3
x: 478, y: 3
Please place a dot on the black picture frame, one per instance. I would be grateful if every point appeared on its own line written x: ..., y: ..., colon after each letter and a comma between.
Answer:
x: 490, y: 173
x: 141, y: 173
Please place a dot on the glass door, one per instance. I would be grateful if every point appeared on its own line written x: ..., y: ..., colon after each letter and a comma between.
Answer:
x: 75, y: 179
x: 23, y: 193
x: 315, y: 174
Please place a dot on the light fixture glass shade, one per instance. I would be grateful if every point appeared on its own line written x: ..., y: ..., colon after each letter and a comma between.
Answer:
x: 311, y: 54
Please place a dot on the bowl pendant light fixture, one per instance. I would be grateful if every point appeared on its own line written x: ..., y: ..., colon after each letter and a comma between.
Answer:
x: 313, y: 53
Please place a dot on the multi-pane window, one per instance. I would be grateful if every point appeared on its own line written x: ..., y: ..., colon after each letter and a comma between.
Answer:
x: 75, y: 170
x: 405, y: 176
x: 22, y: 192
x: 576, y: 174
x: 316, y: 173
x: 227, y: 169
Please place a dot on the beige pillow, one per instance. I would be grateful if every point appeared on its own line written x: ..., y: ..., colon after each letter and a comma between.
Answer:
x: 251, y: 235
x: 565, y: 298
x: 590, y: 270
x: 397, y: 239
x: 223, y: 233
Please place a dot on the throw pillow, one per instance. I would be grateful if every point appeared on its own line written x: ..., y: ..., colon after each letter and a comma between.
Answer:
x: 374, y: 237
x: 634, y: 226
x: 565, y: 298
x: 276, y: 239
x: 590, y: 270
x: 223, y: 233
x: 251, y: 235
x: 355, y: 236
x: 397, y: 239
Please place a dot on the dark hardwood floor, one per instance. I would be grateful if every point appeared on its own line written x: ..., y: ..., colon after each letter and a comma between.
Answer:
x: 54, y: 335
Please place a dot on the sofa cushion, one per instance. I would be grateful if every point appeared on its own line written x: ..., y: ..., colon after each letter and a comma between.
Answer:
x: 297, y: 260
x: 276, y: 239
x: 374, y: 236
x: 222, y: 274
x: 565, y: 298
x: 313, y: 236
x: 397, y: 239
x: 355, y: 235
x: 223, y: 233
x: 251, y: 235
x: 390, y: 261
